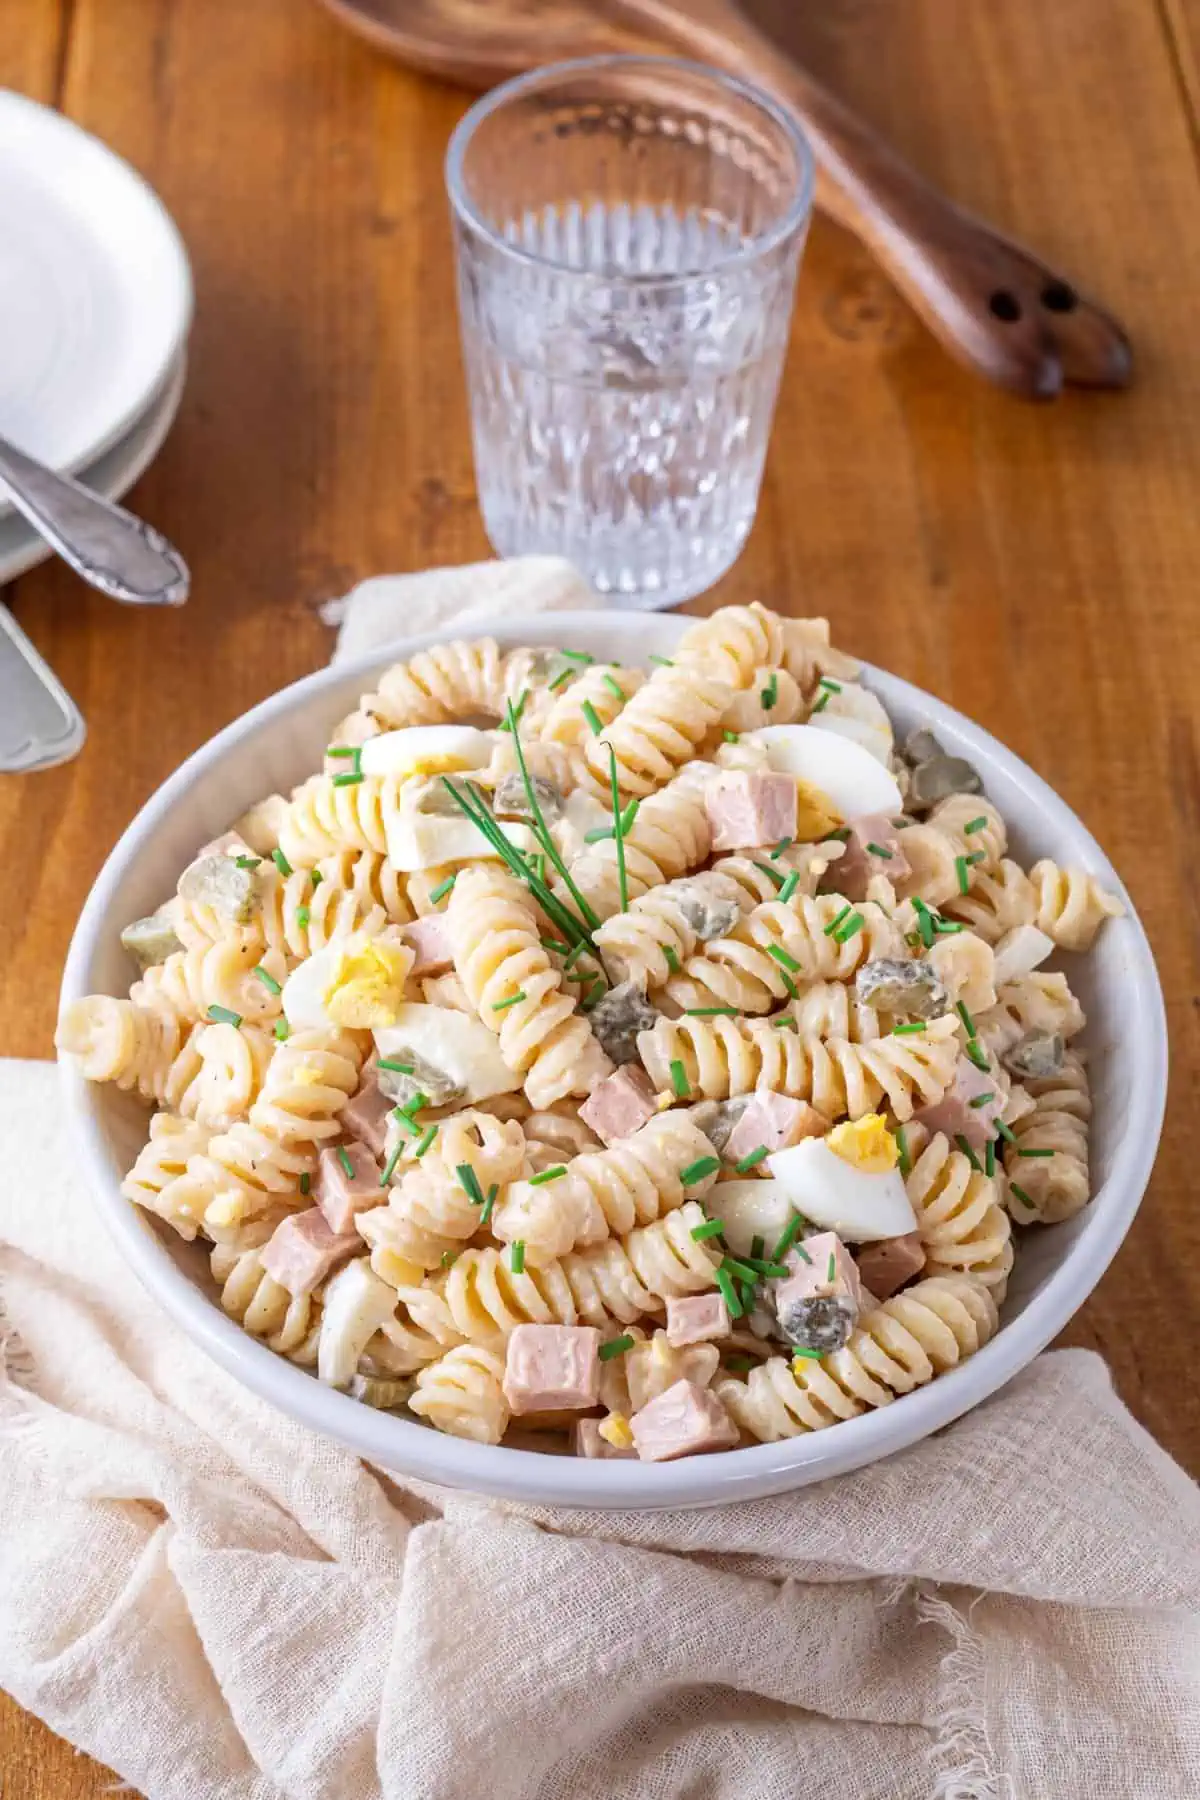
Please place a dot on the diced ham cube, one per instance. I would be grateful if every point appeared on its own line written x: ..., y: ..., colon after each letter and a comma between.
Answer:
x: 747, y: 809
x: 365, y: 1114
x: 429, y: 940
x: 696, y: 1318
x: 587, y: 1441
x: 340, y: 1192
x: 887, y: 1264
x: 819, y: 1303
x: 552, y: 1366
x: 620, y: 1104
x: 858, y: 864
x: 775, y: 1120
x: 303, y: 1250
x: 682, y: 1421
x: 954, y: 1114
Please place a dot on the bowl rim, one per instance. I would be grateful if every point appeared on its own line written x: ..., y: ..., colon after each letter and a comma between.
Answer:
x: 508, y: 1473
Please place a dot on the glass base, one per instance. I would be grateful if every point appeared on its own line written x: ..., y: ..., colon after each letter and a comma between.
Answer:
x: 658, y: 598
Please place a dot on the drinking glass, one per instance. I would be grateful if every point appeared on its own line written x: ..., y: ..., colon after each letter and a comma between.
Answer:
x: 628, y: 230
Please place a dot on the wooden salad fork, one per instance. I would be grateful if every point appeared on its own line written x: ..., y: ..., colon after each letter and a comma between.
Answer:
x: 994, y: 306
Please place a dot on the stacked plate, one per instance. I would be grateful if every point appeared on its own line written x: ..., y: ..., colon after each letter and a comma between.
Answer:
x: 95, y: 305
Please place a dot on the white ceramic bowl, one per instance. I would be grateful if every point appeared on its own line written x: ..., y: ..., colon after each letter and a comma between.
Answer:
x: 279, y: 743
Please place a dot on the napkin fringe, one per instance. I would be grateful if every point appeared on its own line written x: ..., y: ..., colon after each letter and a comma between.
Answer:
x: 961, y: 1756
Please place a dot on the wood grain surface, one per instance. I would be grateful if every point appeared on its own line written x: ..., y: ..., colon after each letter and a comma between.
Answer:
x: 1037, y: 567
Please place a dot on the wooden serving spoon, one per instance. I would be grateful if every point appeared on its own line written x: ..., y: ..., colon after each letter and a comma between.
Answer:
x: 994, y: 306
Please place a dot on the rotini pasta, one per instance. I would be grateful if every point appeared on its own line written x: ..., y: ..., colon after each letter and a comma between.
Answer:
x: 490, y: 1144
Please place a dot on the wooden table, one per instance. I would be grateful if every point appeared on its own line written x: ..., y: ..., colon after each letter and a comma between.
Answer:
x: 1039, y: 568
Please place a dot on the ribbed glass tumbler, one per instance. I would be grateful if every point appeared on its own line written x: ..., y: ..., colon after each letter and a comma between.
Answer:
x: 628, y: 231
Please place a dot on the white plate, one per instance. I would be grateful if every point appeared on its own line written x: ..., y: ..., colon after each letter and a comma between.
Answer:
x: 95, y: 289
x: 280, y: 742
x: 111, y: 475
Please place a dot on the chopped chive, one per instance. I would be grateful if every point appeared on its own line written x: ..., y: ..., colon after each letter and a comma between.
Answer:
x: 413, y: 1106
x: 450, y: 1257
x: 554, y: 1174
x: 574, y: 954
x: 731, y: 737
x: 711, y: 1228
x: 729, y: 1294
x: 1022, y: 1196
x: 316, y: 878
x: 303, y: 917
x: 757, y: 1247
x: 423, y: 1143
x: 679, y: 1080
x: 783, y: 957
x: 711, y: 1012
x: 1035, y: 1153
x: 840, y: 836
x: 672, y: 958
x: 802, y: 1253
x: 268, y: 980
x: 947, y: 927
x: 556, y: 945
x: 771, y: 1271
x: 767, y: 870
x: 594, y: 995
x: 789, y: 887
x: 223, y: 1015
x: 561, y: 679
x: 598, y: 834
x: 1006, y: 1132
x: 902, y: 1147
x: 881, y: 850
x: 964, y: 879
x: 516, y: 1256
x: 442, y: 889
x: 789, y: 986
x: 390, y: 1167
x: 513, y: 1000
x: 976, y: 856
x: 592, y: 716
x: 831, y: 687
x: 619, y: 830
x: 281, y: 863
x: 781, y: 846
x: 835, y: 923
x: 628, y: 817
x: 579, y: 656
x: 981, y: 1100
x: 664, y: 662
x: 853, y: 925
x: 907, y: 1030
x: 476, y: 809
x: 964, y: 1015
x: 742, y: 1270
x: 403, y: 1121
x: 343, y: 750
x: 978, y: 824
x: 282, y: 1030
x: 913, y: 939
x: 397, y: 1068
x: 247, y: 862
x: 344, y: 1157
x: 989, y: 1157
x: 305, y: 1182
x: 784, y: 1022
x: 614, y: 687
x: 978, y: 1055
x: 699, y: 1170
x: 798, y: 1353
x: 616, y: 1347
x: 351, y: 780
x: 822, y: 703
x: 770, y: 693
x: 967, y: 1151
x: 738, y: 1365
x: 489, y: 1203
x: 831, y: 1269
x: 468, y: 1181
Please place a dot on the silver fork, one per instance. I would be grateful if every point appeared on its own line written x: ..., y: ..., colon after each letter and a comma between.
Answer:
x: 40, y: 724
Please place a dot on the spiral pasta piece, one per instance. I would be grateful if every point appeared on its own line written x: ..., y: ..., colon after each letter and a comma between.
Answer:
x: 963, y: 1227
x: 1044, y: 1190
x: 463, y: 1393
x: 907, y: 1340
x: 604, y: 688
x: 1042, y: 1001
x: 190, y: 982
x: 780, y: 945
x: 721, y: 1057
x: 289, y: 1324
x: 429, y: 1213
x: 436, y: 686
x: 354, y: 891
x: 988, y: 840
x: 232, y: 1064
x: 760, y: 878
x: 733, y: 644
x: 829, y: 1009
x: 999, y: 900
x: 555, y: 1136
x: 658, y: 731
x: 324, y: 819
x: 114, y: 1040
x: 670, y: 835
x: 662, y: 927
x: 1071, y: 904
x: 773, y: 697
x: 153, y: 1181
x: 607, y: 1192
x: 517, y: 991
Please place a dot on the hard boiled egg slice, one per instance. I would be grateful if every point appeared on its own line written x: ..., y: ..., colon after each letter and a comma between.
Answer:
x: 353, y: 983
x: 860, y: 1194
x: 846, y: 774
x: 356, y: 1304
x: 426, y: 750
x: 749, y: 1210
x: 458, y: 1044
x: 426, y: 840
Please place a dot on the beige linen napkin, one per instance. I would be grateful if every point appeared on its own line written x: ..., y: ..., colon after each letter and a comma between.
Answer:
x: 220, y: 1604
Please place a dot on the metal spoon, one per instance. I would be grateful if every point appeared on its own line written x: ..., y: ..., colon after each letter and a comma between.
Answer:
x: 122, y: 556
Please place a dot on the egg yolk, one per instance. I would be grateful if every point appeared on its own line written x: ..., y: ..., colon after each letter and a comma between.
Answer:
x: 367, y: 988
x: 865, y: 1144
x: 615, y: 1431
x: 816, y: 815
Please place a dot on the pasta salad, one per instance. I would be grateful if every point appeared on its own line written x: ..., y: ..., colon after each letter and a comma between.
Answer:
x: 632, y: 1061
